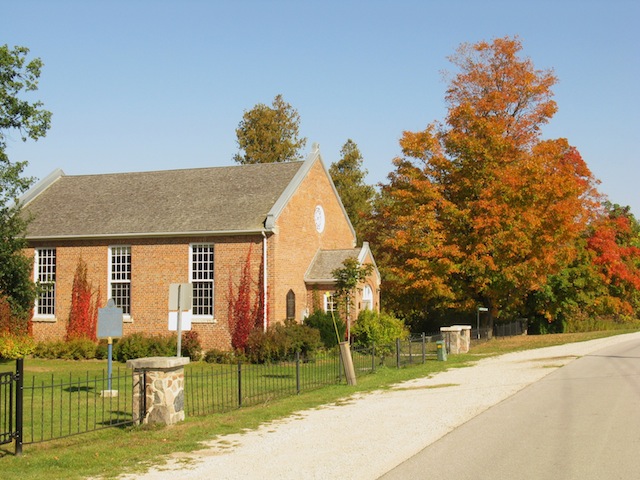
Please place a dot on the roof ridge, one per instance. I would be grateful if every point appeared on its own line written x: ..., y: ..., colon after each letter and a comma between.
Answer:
x: 171, y: 170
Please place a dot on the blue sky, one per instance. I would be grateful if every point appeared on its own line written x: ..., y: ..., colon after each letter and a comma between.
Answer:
x: 152, y: 85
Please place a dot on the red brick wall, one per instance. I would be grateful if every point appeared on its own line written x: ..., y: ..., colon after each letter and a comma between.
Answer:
x: 293, y: 248
x: 155, y: 264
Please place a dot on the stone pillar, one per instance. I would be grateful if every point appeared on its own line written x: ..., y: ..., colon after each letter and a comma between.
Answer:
x: 465, y: 337
x: 158, y: 389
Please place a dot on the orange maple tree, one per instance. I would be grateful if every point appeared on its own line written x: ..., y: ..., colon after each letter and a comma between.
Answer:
x: 480, y: 208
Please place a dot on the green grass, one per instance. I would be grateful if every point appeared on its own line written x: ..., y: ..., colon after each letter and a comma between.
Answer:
x: 108, y: 453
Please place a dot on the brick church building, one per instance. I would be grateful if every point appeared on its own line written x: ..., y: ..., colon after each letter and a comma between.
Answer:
x: 140, y: 232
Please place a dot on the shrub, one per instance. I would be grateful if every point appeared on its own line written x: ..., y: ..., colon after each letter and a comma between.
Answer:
x: 191, y: 345
x: 52, y: 349
x: 221, y: 356
x: 380, y: 329
x: 281, y: 342
x: 80, y: 349
x: 323, y: 322
x: 15, y: 346
x: 76, y: 349
x: 138, y: 345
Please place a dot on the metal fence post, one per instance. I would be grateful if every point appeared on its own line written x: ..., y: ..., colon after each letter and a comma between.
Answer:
x: 19, y: 404
x: 239, y: 384
x: 373, y: 357
x: 297, y: 372
x: 424, y: 349
x: 397, y: 353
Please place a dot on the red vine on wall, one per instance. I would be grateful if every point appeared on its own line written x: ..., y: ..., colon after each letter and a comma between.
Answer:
x: 83, y: 317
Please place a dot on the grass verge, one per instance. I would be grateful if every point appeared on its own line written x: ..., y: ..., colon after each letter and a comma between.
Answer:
x: 108, y: 453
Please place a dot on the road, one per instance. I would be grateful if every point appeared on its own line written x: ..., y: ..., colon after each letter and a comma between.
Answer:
x: 582, y: 422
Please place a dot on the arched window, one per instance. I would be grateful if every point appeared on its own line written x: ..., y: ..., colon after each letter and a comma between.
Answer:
x: 291, y: 304
x: 367, y: 298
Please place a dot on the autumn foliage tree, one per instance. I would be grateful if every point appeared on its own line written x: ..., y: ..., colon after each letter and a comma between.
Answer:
x: 615, y: 242
x: 480, y: 209
x: 83, y: 317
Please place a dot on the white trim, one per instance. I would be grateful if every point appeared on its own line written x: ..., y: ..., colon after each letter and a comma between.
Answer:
x: 49, y: 317
x: 333, y: 301
x: 203, y: 318
x: 40, y: 187
x: 110, y: 282
x: 265, y: 317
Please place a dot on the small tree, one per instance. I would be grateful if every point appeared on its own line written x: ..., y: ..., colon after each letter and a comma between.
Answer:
x: 347, y: 279
x: 83, y: 317
x: 269, y: 134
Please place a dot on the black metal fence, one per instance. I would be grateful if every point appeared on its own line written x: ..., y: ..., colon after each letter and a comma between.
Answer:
x: 59, y: 408
x: 511, y: 329
x: 34, y: 411
x: 11, y: 407
x: 219, y: 388
x: 41, y: 410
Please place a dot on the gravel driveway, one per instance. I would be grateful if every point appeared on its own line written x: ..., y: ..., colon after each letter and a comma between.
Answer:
x: 369, y: 434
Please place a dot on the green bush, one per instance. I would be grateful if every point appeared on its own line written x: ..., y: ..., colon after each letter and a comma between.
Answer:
x: 16, y: 346
x: 138, y: 345
x: 215, y: 355
x: 380, y: 329
x: 53, y: 349
x: 76, y: 349
x: 80, y: 349
x: 323, y: 322
x: 281, y: 342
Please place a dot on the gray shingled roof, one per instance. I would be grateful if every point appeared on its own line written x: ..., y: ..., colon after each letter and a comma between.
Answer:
x: 326, y: 261
x: 206, y: 200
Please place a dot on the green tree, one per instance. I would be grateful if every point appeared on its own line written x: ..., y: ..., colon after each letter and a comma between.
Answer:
x: 269, y: 134
x: 347, y: 280
x: 348, y: 176
x: 30, y: 120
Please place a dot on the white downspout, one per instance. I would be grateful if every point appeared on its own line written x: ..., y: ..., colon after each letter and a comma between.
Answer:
x: 264, y: 281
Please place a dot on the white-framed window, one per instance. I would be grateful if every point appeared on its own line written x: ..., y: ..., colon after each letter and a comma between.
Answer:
x: 45, y: 276
x: 201, y: 274
x: 120, y: 277
x: 367, y: 298
x: 330, y: 303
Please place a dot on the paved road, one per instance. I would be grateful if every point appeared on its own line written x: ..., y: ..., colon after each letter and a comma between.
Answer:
x: 582, y: 422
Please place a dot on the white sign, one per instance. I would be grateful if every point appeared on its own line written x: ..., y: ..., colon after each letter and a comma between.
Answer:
x: 180, y: 296
x: 185, y: 321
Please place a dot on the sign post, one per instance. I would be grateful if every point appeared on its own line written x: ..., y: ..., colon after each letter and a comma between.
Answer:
x: 180, y: 298
x: 480, y: 309
x: 110, y: 327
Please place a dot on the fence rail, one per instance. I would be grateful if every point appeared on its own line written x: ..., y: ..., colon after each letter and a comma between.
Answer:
x: 62, y: 407
x: 59, y: 407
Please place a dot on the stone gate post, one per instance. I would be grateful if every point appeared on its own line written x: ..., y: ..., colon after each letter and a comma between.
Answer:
x: 158, y: 389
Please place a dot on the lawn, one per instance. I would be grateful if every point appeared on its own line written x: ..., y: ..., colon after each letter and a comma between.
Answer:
x: 107, y: 453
